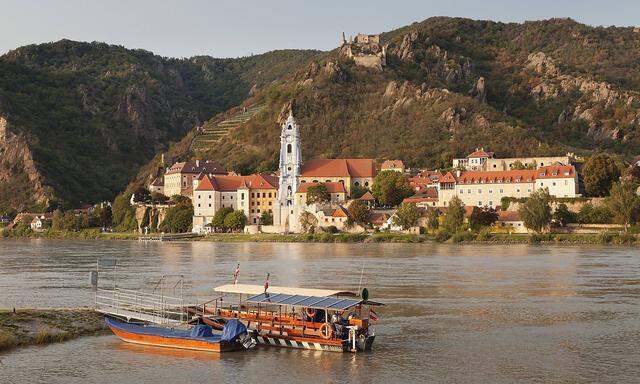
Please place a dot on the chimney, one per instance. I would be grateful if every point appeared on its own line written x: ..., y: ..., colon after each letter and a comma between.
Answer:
x: 197, y: 163
x: 458, y: 173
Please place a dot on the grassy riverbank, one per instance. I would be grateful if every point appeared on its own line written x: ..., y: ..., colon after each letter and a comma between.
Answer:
x: 45, y: 326
x: 614, y: 238
x: 442, y: 237
x: 91, y: 233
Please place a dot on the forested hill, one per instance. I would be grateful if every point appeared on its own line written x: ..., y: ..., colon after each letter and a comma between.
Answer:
x: 450, y: 85
x: 77, y: 120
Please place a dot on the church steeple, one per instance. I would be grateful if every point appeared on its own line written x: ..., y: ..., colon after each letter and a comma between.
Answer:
x: 290, y: 160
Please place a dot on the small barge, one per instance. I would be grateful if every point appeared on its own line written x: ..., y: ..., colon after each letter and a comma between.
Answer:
x: 318, y: 319
x: 199, y: 337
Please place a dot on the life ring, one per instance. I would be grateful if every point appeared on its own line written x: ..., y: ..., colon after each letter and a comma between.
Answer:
x: 311, y: 313
x: 326, y: 331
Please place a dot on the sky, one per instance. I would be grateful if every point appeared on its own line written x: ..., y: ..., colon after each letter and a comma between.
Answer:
x: 223, y: 28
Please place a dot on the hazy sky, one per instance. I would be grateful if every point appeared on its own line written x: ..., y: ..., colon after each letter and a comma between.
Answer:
x: 242, y: 27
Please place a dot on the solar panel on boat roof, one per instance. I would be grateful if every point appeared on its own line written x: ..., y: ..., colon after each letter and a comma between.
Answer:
x: 304, y: 301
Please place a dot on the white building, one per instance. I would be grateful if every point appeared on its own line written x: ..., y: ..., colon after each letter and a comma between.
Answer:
x: 286, y: 211
x: 480, y: 160
x: 482, y: 188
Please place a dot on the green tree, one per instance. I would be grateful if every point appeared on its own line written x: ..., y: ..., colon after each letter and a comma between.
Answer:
x: 121, y: 207
x: 482, y: 217
x: 390, y: 188
x: 57, y: 221
x: 454, y: 217
x: 590, y: 214
x: 142, y: 195
x: 218, y: 219
x: 432, y: 219
x: 178, y: 219
x: 235, y: 220
x: 71, y: 222
x: 600, y: 172
x: 146, y: 218
x: 563, y: 216
x: 266, y: 218
x: 359, y: 212
x: 624, y: 203
x: 318, y: 194
x: 407, y: 216
x: 357, y: 191
x: 536, y: 210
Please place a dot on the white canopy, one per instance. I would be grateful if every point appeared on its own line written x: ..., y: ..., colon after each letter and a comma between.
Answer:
x: 251, y: 289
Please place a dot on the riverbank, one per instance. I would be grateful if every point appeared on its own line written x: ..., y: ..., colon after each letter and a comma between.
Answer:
x: 603, y: 238
x: 44, y: 326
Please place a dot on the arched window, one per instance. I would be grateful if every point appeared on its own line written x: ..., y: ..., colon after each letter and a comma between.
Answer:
x: 288, y: 148
x: 289, y: 127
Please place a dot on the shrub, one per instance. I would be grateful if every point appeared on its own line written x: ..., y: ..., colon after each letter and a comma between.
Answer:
x: 331, y: 229
x: 485, y: 234
x: 605, y: 237
x: 7, y: 340
x: 461, y: 236
x: 442, y: 235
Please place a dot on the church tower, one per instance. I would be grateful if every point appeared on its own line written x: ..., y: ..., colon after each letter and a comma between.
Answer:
x: 290, y: 162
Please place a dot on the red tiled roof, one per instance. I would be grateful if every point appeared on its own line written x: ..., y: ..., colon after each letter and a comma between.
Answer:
x: 512, y: 176
x: 202, y: 166
x: 480, y: 153
x: 368, y: 196
x: 227, y: 183
x: 378, y: 218
x: 509, y: 216
x: 158, y: 182
x: 392, y: 164
x: 340, y: 212
x: 339, y: 168
x: 555, y: 172
x: 448, y: 178
x: 331, y: 187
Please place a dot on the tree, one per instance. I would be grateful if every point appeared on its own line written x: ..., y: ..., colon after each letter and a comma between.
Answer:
x: 122, y: 212
x: 57, y: 220
x: 590, y: 214
x: 454, y: 218
x: 142, y: 195
x: 536, y: 210
x: 390, y: 188
x: 359, y: 212
x: 600, y: 172
x: 178, y: 219
x: 308, y: 222
x: 71, y: 222
x: 432, y: 219
x: 218, y: 218
x: 318, y: 194
x: 482, y: 217
x: 563, y: 216
x: 357, y: 191
x: 266, y: 218
x: 624, y: 203
x: 407, y: 216
x: 235, y: 220
x: 146, y: 218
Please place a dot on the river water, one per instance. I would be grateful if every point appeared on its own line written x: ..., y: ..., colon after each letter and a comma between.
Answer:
x: 454, y: 313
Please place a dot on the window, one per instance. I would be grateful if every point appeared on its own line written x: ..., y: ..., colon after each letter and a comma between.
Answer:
x: 257, y: 210
x: 327, y: 181
x: 469, y: 191
x: 269, y: 194
x: 357, y: 183
x: 289, y: 127
x: 231, y: 197
x: 242, y: 196
x: 198, y: 197
x: 461, y: 191
x: 529, y: 190
x: 479, y: 190
x: 222, y: 197
x: 491, y: 191
x: 501, y: 190
x: 198, y: 205
x: 366, y: 183
x: 209, y: 197
x: 553, y: 183
x: 253, y: 195
x: 254, y: 220
x: 288, y: 148
x: 542, y: 183
x: 490, y: 203
x: 264, y: 194
x: 479, y: 203
x: 209, y: 205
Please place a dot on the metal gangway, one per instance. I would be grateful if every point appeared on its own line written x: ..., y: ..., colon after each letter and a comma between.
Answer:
x: 150, y: 307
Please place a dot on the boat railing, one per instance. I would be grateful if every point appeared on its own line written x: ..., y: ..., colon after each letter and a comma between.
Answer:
x: 138, y: 305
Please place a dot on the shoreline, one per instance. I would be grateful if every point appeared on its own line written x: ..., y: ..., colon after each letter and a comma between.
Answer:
x: 463, y: 237
x: 26, y: 327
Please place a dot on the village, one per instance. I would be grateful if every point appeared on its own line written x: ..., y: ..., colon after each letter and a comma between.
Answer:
x: 479, y: 192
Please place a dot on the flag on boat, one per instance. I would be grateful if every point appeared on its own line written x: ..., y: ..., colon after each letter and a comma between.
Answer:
x: 266, y: 283
x: 373, y: 315
x: 235, y: 274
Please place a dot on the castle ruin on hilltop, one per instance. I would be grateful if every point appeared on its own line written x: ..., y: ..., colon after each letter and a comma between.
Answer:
x: 365, y: 50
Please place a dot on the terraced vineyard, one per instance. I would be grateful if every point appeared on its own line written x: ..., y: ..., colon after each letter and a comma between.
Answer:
x: 212, y: 132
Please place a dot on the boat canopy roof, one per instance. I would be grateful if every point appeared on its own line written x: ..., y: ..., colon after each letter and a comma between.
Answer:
x: 316, y: 302
x: 253, y: 289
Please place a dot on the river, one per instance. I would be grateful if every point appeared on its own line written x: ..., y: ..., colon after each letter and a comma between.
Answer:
x: 454, y: 313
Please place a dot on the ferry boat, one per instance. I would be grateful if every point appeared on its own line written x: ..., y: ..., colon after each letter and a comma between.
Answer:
x: 200, y: 337
x: 318, y: 319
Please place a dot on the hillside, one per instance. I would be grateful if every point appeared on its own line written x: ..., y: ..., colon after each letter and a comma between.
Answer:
x: 450, y: 85
x: 77, y: 120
